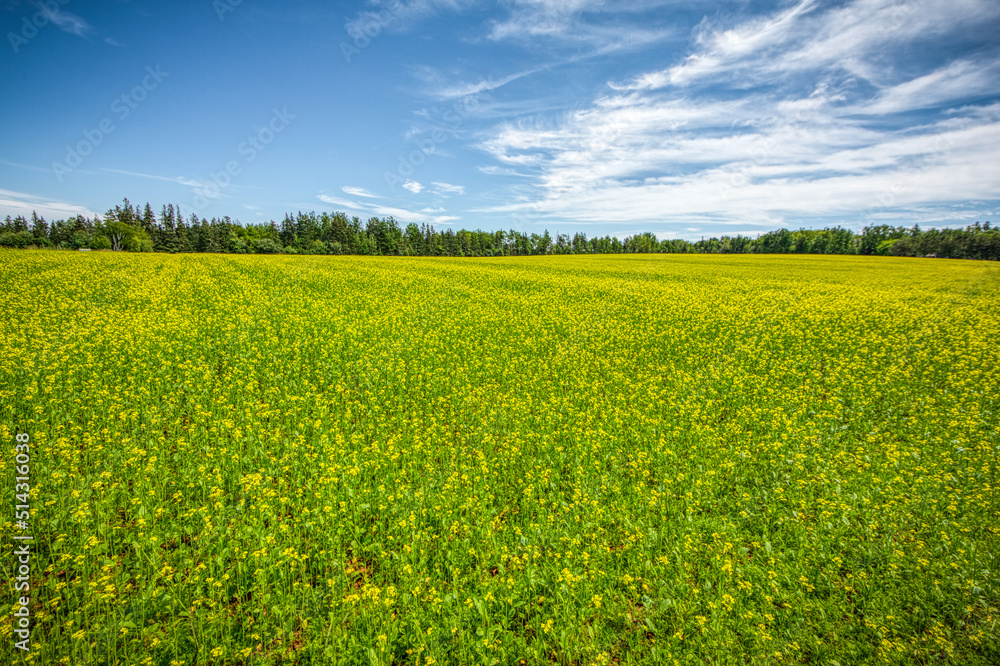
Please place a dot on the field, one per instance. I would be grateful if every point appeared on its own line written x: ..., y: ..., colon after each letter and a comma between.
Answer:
x: 643, y: 459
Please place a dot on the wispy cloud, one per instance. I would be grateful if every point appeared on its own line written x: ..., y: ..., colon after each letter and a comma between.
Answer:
x: 592, y: 22
x: 855, y: 37
x: 406, y: 216
x: 64, y: 20
x: 861, y: 37
x: 180, y: 180
x: 398, y: 15
x: 19, y: 203
x: 779, y: 129
x: 445, y: 189
x: 344, y: 203
x: 413, y: 186
x: 724, y: 49
x: 205, y: 188
x: 459, y: 90
x: 955, y: 82
x: 26, y: 167
x: 358, y: 192
x: 494, y: 170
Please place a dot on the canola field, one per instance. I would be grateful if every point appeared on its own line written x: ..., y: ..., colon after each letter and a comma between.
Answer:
x: 644, y: 459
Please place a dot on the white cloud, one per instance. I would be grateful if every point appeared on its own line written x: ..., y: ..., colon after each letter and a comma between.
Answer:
x: 402, y: 215
x: 777, y: 131
x: 65, y: 21
x: 397, y: 15
x: 494, y: 170
x: 578, y: 22
x: 856, y: 35
x: 940, y: 166
x: 956, y: 81
x: 459, y: 90
x: 358, y: 192
x: 726, y: 48
x: 407, y: 216
x: 205, y: 188
x: 18, y: 203
x: 181, y: 180
x: 27, y: 167
x: 413, y: 186
x: 805, y: 36
x: 534, y: 18
x: 344, y: 203
x: 445, y: 189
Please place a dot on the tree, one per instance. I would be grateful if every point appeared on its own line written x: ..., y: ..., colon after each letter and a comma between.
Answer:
x: 775, y: 242
x: 122, y: 236
x: 39, y: 228
x: 148, y: 221
x: 874, y: 237
x: 288, y: 231
x: 414, y: 240
x: 386, y: 235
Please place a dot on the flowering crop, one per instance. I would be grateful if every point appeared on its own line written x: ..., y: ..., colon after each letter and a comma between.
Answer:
x: 655, y: 459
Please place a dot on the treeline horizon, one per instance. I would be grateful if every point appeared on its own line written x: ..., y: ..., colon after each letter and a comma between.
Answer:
x: 127, y: 228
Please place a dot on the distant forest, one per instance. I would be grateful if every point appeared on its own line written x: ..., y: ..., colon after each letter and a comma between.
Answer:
x: 127, y: 228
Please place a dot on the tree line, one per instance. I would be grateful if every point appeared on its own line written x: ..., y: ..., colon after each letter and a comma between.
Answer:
x: 129, y: 228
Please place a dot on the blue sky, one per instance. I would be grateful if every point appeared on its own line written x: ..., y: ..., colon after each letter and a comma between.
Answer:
x: 686, y: 119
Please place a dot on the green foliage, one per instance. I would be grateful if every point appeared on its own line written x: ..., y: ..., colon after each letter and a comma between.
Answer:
x: 17, y: 239
x: 317, y: 247
x: 100, y: 242
x: 264, y: 246
x: 124, y: 236
x: 326, y: 233
x: 81, y: 239
x: 885, y: 247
